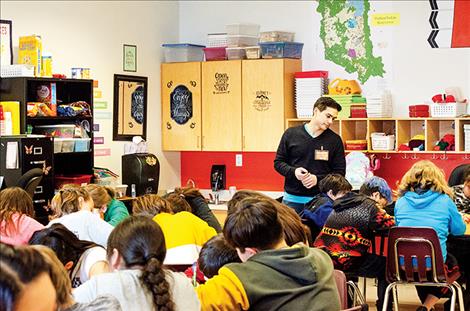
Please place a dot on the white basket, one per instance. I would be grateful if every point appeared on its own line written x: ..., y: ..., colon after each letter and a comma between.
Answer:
x: 216, y: 40
x: 447, y: 110
x: 383, y: 142
x: 17, y: 70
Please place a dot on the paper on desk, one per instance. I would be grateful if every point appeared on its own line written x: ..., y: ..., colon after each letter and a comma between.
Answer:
x: 12, y: 155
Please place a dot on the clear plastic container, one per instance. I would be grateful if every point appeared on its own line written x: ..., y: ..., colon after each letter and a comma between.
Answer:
x: 236, y: 53
x: 281, y: 49
x: 183, y: 53
x: 243, y: 29
x: 276, y: 36
x: 68, y: 145
x: 57, y: 130
x: 82, y: 144
x: 253, y: 52
x: 216, y: 40
x: 241, y: 40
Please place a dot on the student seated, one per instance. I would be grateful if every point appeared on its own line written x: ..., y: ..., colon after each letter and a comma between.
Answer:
x: 196, y: 202
x: 462, y: 193
x: 314, y: 215
x: 73, y: 206
x: 425, y: 200
x: 349, y: 231
x: 293, y: 229
x: 25, y: 282
x: 184, y: 232
x: 272, y: 276
x: 17, y: 222
x: 214, y: 254
x: 61, y: 282
x: 114, y: 211
x: 136, y: 250
x: 82, y: 259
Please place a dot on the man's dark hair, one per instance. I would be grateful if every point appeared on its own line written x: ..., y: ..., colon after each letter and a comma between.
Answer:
x: 324, y: 102
x: 334, y: 182
x: 216, y: 253
x: 255, y: 223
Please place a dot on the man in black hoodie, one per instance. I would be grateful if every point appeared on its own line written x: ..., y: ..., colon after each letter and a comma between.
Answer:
x: 347, y: 236
x: 272, y: 276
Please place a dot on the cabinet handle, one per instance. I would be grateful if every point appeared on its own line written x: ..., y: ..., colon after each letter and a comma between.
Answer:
x: 168, y: 125
x: 243, y: 142
x: 169, y: 84
x: 202, y: 142
x: 193, y: 83
x: 198, y: 137
x: 192, y: 125
x: 38, y: 190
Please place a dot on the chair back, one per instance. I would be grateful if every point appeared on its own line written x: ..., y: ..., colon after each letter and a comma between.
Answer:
x: 414, y: 255
x: 342, y: 285
x: 30, y: 180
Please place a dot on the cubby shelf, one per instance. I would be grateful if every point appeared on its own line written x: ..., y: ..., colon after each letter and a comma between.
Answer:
x: 403, y: 128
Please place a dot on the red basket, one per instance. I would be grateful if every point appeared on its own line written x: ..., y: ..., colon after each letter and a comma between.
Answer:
x: 216, y: 53
x: 61, y: 180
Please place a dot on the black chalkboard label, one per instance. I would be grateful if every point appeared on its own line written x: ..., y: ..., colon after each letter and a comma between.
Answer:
x: 181, y: 104
x: 137, y: 106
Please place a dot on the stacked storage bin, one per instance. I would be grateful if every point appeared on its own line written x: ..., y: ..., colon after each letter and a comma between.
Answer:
x: 346, y: 101
x: 279, y: 44
x: 242, y: 38
x: 309, y: 86
x: 379, y: 106
x: 216, y: 45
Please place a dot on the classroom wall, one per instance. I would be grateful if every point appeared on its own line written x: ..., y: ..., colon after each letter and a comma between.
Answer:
x: 414, y: 73
x: 91, y: 34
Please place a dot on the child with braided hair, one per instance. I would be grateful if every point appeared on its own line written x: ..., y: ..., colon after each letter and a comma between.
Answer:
x: 136, y: 250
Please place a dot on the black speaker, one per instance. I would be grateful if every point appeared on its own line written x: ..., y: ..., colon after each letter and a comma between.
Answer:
x: 141, y: 170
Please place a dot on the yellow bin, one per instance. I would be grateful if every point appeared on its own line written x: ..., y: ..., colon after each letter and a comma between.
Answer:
x: 14, y: 108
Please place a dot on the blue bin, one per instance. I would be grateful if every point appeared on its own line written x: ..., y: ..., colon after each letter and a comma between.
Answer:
x: 281, y: 49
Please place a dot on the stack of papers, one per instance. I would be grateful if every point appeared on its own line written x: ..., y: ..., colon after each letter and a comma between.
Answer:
x: 379, y: 106
x: 307, y: 91
x: 466, y: 129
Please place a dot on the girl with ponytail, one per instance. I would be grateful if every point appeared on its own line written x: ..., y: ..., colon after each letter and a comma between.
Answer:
x: 136, y: 250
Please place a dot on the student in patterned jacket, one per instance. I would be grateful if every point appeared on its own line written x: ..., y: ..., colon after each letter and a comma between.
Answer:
x: 462, y: 193
x: 350, y: 228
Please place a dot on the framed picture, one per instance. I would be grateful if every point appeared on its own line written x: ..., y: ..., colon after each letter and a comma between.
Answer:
x: 130, y: 58
x: 6, y: 45
x: 130, y: 107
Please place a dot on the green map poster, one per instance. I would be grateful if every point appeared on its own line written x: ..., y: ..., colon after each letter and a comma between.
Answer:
x: 346, y: 35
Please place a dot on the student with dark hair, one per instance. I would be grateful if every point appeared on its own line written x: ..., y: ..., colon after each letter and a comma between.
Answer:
x: 332, y: 187
x: 184, y: 232
x: 272, y: 276
x: 82, y: 259
x: 197, y: 203
x: 114, y: 211
x: 294, y: 230
x: 378, y: 190
x: 309, y: 152
x: 25, y: 282
x: 136, y: 250
x: 17, y: 222
x: 348, y: 232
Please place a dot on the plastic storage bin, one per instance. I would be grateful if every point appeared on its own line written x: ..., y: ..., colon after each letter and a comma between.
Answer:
x: 359, y: 144
x: 82, y: 144
x: 215, y: 53
x: 68, y: 145
x: 447, y: 110
x: 241, y: 40
x: 183, y: 53
x: 253, y: 52
x: 243, y: 29
x: 276, y: 36
x: 216, y: 39
x: 80, y: 180
x: 58, y: 130
x: 236, y: 53
x: 281, y: 49
x: 380, y: 141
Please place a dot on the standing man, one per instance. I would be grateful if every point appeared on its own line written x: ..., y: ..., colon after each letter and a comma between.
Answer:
x: 309, y: 152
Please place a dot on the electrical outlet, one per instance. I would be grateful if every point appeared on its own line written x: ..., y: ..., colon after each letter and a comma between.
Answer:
x: 238, y: 160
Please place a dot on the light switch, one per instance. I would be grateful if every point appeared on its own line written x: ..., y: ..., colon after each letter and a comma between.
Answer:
x: 238, y: 160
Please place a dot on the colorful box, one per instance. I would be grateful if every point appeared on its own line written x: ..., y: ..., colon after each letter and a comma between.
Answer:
x: 30, y: 52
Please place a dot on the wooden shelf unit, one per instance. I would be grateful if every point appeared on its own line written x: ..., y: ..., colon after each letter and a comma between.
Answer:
x: 403, y: 128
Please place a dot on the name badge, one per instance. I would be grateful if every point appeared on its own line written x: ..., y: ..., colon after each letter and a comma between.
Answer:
x: 321, y: 155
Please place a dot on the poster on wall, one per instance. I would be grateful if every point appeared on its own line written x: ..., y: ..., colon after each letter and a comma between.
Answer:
x: 6, y: 45
x: 450, y: 25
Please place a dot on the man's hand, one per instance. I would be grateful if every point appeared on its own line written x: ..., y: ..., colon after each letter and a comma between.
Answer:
x: 307, y: 179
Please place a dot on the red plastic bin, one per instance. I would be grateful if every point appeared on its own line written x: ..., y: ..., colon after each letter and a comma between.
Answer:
x: 61, y: 180
x: 215, y: 53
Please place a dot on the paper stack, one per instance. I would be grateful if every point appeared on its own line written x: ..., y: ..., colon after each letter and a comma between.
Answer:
x: 379, y: 106
x: 309, y: 86
x: 466, y: 129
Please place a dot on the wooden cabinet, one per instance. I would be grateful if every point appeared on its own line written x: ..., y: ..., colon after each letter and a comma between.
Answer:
x: 268, y: 100
x: 227, y: 105
x: 404, y: 129
x: 221, y: 106
x: 181, y: 106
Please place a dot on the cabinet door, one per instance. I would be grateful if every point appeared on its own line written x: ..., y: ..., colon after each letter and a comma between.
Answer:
x: 267, y: 99
x: 221, y: 106
x: 181, y: 106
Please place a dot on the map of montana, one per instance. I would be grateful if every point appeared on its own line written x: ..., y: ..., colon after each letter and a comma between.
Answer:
x: 345, y: 33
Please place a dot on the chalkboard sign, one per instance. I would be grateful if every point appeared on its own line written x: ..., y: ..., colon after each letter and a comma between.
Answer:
x: 137, y: 105
x: 181, y: 104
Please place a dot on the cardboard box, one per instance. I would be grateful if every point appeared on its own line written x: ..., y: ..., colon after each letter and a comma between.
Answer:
x: 30, y: 52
